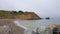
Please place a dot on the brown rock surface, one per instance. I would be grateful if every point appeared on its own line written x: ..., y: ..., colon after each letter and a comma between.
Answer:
x: 28, y: 16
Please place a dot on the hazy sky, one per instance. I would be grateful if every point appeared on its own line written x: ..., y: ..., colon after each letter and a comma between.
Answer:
x: 44, y: 8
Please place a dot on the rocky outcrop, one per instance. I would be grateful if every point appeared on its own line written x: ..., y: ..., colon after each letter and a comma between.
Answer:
x: 51, y: 26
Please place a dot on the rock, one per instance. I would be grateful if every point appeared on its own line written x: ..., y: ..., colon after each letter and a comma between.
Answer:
x: 47, y: 18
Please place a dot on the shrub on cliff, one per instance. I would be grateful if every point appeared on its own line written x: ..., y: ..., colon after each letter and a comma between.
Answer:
x: 13, y: 12
x: 20, y: 12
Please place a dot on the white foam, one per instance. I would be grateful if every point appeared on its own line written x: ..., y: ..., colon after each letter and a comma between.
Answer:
x: 18, y: 24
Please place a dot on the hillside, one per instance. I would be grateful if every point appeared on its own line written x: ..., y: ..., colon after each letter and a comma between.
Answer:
x: 18, y: 15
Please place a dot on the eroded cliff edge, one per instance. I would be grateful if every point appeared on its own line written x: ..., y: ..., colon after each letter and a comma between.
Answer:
x: 18, y: 15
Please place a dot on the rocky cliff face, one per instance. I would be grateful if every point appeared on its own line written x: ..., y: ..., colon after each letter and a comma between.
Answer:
x: 23, y: 16
x: 28, y: 16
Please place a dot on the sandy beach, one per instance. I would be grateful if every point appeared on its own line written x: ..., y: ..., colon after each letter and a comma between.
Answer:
x: 9, y: 22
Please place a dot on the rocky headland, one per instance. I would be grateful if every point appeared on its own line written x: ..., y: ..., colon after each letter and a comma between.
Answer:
x: 18, y: 15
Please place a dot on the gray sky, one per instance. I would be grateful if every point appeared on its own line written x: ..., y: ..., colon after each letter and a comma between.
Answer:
x: 43, y: 8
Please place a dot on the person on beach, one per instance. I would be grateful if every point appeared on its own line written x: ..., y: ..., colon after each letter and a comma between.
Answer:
x: 55, y: 30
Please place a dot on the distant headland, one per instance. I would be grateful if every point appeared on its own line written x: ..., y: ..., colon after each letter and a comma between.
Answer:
x: 18, y: 15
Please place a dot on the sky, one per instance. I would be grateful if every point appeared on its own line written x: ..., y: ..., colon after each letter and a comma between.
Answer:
x: 44, y: 8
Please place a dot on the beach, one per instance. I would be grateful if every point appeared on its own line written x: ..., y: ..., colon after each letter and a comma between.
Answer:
x: 9, y: 22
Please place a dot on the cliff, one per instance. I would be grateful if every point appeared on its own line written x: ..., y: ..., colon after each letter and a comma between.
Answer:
x: 18, y: 15
x: 28, y: 16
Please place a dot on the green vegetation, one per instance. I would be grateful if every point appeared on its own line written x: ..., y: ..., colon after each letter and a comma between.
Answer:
x: 20, y: 12
x: 13, y: 12
x: 1, y: 15
x: 9, y: 14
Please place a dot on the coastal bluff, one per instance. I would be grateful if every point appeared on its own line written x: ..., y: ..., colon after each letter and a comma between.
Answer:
x: 18, y: 15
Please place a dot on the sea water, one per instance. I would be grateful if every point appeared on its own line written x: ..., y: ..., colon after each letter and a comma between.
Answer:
x: 31, y: 25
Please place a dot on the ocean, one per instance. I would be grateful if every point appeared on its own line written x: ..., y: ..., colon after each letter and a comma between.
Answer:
x: 33, y: 24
